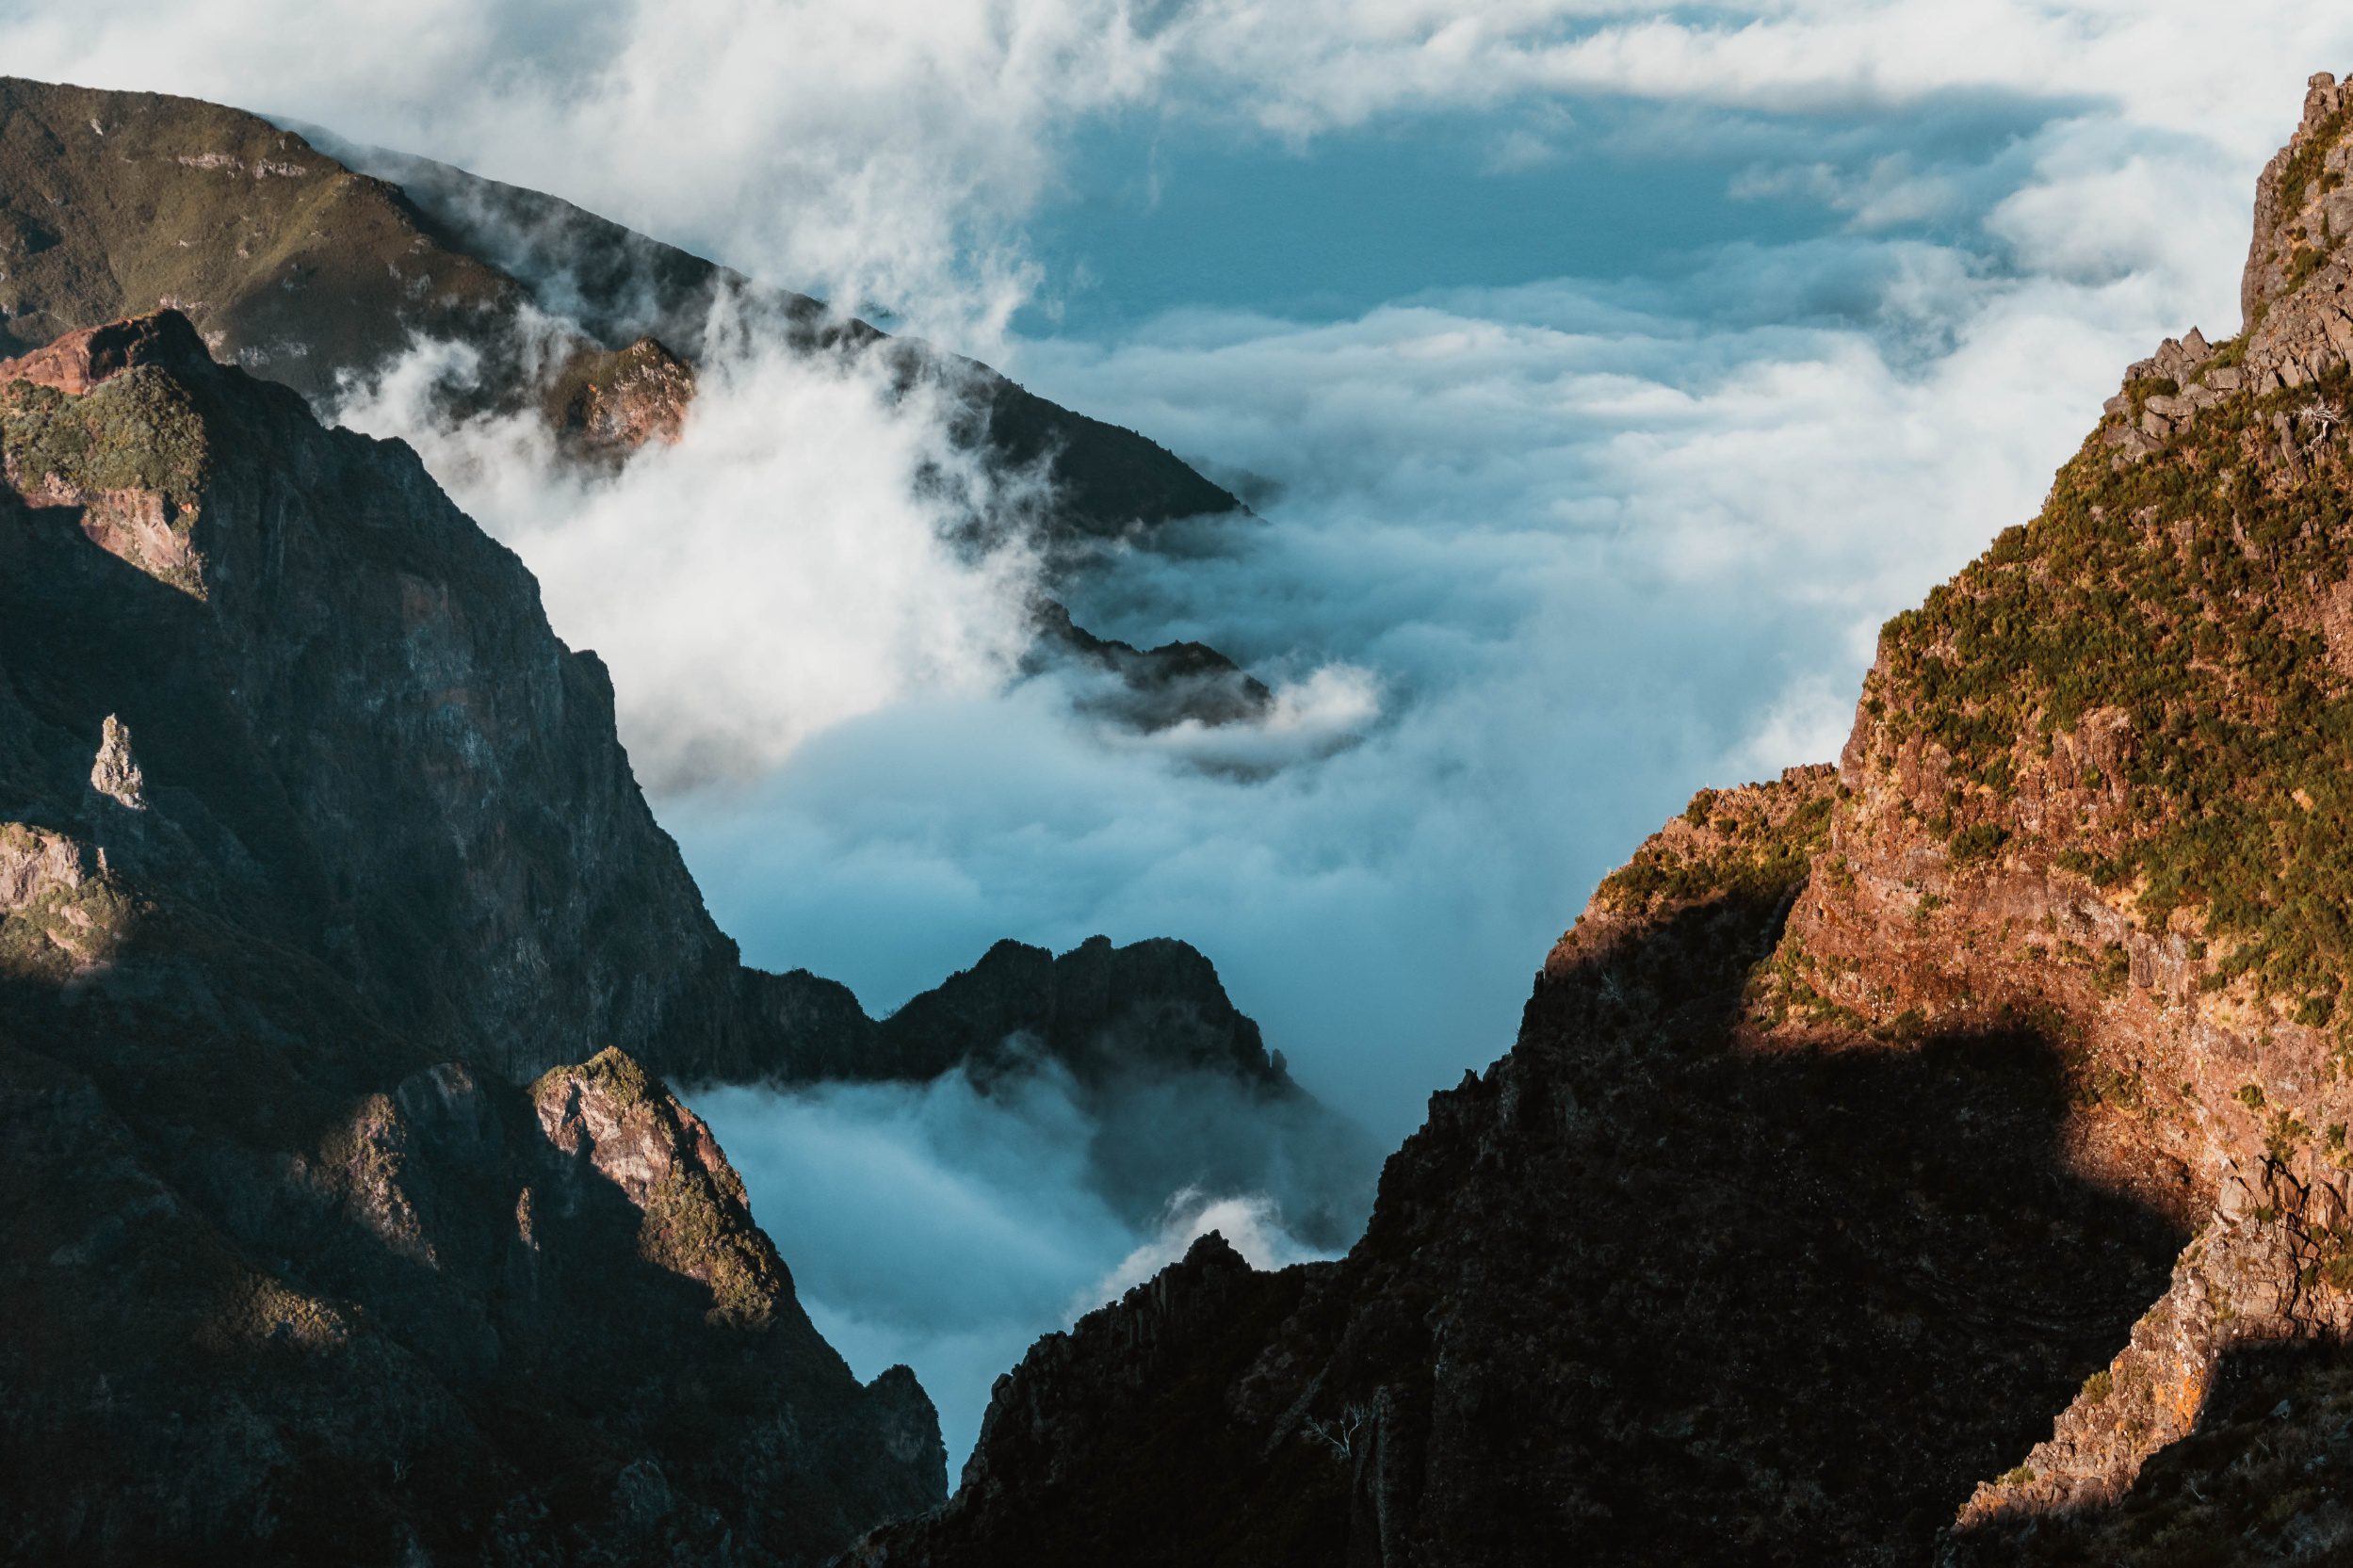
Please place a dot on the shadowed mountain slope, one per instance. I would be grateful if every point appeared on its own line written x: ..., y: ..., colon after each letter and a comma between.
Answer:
x: 622, y: 286
x: 302, y: 812
x: 308, y: 273
x: 341, y: 965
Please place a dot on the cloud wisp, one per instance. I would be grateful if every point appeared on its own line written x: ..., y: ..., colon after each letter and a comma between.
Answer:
x: 892, y: 151
x: 946, y: 1225
x: 804, y: 554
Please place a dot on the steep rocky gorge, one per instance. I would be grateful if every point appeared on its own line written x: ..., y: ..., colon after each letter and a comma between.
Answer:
x: 1939, y: 1155
x: 1942, y: 1157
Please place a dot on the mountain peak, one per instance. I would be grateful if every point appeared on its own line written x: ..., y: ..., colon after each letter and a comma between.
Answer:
x: 81, y: 360
x: 2302, y: 211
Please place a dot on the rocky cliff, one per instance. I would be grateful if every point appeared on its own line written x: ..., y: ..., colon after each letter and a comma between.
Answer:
x: 316, y: 849
x: 350, y: 714
x: 346, y: 693
x: 1942, y: 1157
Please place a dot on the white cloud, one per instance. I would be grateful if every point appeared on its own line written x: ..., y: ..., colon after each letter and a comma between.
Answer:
x: 1251, y: 1224
x: 1592, y: 543
x: 947, y: 1228
x: 1586, y: 537
x: 787, y: 566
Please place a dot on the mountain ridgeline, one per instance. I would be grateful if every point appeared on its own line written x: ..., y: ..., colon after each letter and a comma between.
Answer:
x: 320, y: 865
x: 306, y: 271
x: 302, y: 269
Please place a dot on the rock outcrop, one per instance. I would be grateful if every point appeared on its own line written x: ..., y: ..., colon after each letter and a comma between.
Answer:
x: 1943, y: 1157
x: 422, y: 784
x: 1153, y: 1007
x: 1150, y: 690
x: 345, y: 696
x: 315, y: 845
x: 313, y: 842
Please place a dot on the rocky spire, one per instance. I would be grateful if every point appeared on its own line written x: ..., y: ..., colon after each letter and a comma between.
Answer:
x: 2301, y: 209
x: 116, y: 772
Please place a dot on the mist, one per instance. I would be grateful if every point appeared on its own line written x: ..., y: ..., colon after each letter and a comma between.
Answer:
x: 948, y: 1226
x: 804, y: 554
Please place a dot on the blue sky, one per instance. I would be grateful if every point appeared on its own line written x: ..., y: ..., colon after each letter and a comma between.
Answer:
x: 1158, y: 213
x: 1604, y: 375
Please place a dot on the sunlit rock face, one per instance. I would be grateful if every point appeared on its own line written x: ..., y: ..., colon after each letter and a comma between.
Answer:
x: 1938, y: 1158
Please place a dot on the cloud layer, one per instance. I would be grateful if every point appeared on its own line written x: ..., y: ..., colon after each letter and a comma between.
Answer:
x: 948, y: 1228
x: 786, y: 567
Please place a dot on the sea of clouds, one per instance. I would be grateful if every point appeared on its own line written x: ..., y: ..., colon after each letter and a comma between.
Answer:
x: 1534, y: 560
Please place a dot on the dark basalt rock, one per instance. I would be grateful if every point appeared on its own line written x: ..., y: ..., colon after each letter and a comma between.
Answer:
x: 1157, y: 688
x: 313, y: 843
x: 297, y: 266
x: 1153, y: 1007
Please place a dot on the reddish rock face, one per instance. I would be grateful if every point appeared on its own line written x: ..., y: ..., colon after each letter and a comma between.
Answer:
x: 79, y: 360
x: 608, y: 405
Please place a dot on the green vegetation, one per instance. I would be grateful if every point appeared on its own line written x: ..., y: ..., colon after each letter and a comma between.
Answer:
x: 615, y: 1071
x: 1978, y: 843
x: 2098, y: 1083
x: 2286, y: 1133
x: 2140, y: 389
x: 2304, y: 163
x: 2178, y: 594
x: 1781, y: 985
x: 687, y: 1232
x: 63, y: 929
x: 137, y: 430
x: 1742, y: 854
x: 2098, y: 1386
